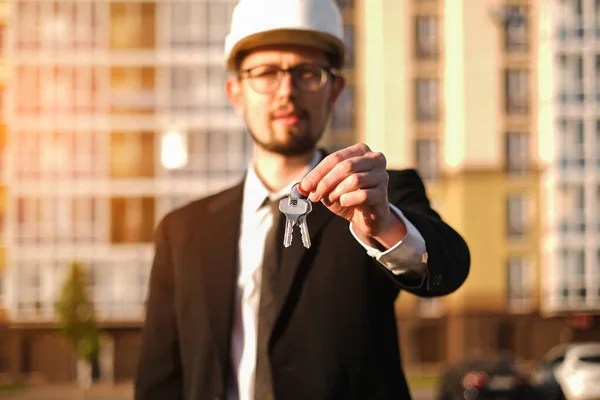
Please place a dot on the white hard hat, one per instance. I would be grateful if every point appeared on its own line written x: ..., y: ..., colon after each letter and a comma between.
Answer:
x: 315, y: 23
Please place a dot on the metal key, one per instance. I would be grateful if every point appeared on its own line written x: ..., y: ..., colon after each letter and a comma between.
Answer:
x: 293, y: 209
x: 304, y: 226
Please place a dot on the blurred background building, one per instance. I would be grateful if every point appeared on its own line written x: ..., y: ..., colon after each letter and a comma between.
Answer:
x: 114, y: 113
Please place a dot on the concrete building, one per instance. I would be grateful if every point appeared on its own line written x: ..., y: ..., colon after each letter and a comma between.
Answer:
x: 115, y: 113
x: 487, y: 100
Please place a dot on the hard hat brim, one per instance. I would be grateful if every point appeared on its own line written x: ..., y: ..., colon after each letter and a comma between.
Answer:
x: 300, y: 37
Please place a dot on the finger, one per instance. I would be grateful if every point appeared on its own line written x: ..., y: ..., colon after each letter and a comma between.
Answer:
x: 367, y: 162
x: 361, y: 180
x: 361, y: 197
x: 312, y: 179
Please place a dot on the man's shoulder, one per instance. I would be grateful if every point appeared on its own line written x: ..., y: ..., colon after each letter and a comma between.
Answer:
x: 197, y: 209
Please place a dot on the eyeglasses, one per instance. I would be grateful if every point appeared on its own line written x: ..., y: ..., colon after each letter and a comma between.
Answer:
x: 266, y: 79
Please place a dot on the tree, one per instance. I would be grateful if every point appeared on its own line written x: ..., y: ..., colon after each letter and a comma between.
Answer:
x: 77, y: 319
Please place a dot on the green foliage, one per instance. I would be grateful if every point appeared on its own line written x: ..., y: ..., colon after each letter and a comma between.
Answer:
x: 76, y: 315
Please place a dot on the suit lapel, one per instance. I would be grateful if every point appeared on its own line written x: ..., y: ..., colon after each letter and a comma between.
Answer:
x: 291, y: 258
x: 218, y: 252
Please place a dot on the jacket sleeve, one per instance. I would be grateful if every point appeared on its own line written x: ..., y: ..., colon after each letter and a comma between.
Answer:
x: 159, y: 373
x: 448, y: 256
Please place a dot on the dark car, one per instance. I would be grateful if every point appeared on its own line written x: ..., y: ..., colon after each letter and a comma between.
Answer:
x: 484, y: 378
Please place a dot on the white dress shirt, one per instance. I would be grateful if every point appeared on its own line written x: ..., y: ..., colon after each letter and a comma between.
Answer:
x: 255, y: 225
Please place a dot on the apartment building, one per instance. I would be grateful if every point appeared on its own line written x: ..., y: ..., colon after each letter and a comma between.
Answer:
x: 115, y: 114
x: 487, y: 100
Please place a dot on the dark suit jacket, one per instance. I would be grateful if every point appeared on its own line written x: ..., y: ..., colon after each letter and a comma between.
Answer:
x: 335, y: 333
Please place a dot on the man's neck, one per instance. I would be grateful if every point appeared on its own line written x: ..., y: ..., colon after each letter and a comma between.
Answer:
x: 277, y: 171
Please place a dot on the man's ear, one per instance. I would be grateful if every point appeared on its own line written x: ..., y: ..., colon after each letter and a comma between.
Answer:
x: 339, y: 83
x: 233, y: 88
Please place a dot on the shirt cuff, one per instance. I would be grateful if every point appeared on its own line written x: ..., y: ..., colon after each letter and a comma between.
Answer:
x: 404, y: 256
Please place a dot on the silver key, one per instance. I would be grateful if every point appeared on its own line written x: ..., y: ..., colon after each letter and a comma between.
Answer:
x: 304, y: 226
x: 293, y: 210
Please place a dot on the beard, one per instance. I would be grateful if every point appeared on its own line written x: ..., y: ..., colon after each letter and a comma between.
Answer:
x: 296, y: 145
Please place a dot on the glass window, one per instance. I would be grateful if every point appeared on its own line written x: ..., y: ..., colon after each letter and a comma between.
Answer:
x: 517, y: 152
x: 427, y: 158
x: 29, y: 281
x: 519, y: 282
x: 427, y: 100
x: 215, y: 154
x: 28, y: 90
x: 57, y: 220
x: 571, y: 208
x: 517, y: 91
x: 426, y: 37
x: 27, y: 25
x: 132, y: 155
x: 342, y: 117
x: 516, y: 29
x: 132, y: 89
x: 349, y: 41
x: 132, y: 25
x: 517, y: 216
x: 189, y: 24
x: 132, y: 220
x: 219, y: 14
x: 571, y: 137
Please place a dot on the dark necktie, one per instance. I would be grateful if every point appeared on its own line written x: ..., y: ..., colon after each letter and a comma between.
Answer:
x: 263, y: 389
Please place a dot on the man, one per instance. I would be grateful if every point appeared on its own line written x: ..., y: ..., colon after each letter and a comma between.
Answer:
x: 227, y: 320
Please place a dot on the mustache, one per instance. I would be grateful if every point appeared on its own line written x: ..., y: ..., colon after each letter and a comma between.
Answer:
x: 289, y: 108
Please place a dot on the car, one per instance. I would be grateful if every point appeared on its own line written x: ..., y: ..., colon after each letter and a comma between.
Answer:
x: 491, y: 377
x: 569, y: 371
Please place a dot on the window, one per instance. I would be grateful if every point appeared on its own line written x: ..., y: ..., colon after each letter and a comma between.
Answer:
x: 427, y: 158
x: 219, y: 15
x: 28, y: 90
x: 517, y: 216
x: 189, y: 22
x: 572, y: 282
x: 56, y: 89
x: 29, y: 282
x: 132, y: 155
x: 214, y: 154
x: 119, y: 288
x: 571, y: 139
x: 28, y: 25
x: 349, y: 41
x: 570, y: 78
x: 427, y: 100
x: 60, y: 25
x: 519, y: 282
x: 132, y: 25
x: 132, y: 220
x: 426, y: 37
x: 342, y: 117
x: 517, y: 152
x: 517, y: 92
x: 52, y: 220
x: 85, y: 88
x: 571, y: 208
x: 516, y: 35
x: 58, y: 155
x: 132, y: 89
x: 197, y: 88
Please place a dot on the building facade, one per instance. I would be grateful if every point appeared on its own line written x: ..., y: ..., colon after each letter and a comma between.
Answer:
x: 115, y: 114
x: 486, y: 99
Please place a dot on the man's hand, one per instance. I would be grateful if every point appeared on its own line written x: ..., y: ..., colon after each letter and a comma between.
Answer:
x: 353, y: 183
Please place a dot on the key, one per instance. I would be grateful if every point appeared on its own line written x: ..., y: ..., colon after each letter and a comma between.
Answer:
x: 304, y: 226
x: 293, y: 209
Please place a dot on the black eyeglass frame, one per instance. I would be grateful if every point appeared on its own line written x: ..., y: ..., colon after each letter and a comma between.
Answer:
x: 326, y: 73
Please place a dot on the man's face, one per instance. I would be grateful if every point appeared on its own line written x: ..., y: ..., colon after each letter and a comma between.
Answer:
x: 286, y: 119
